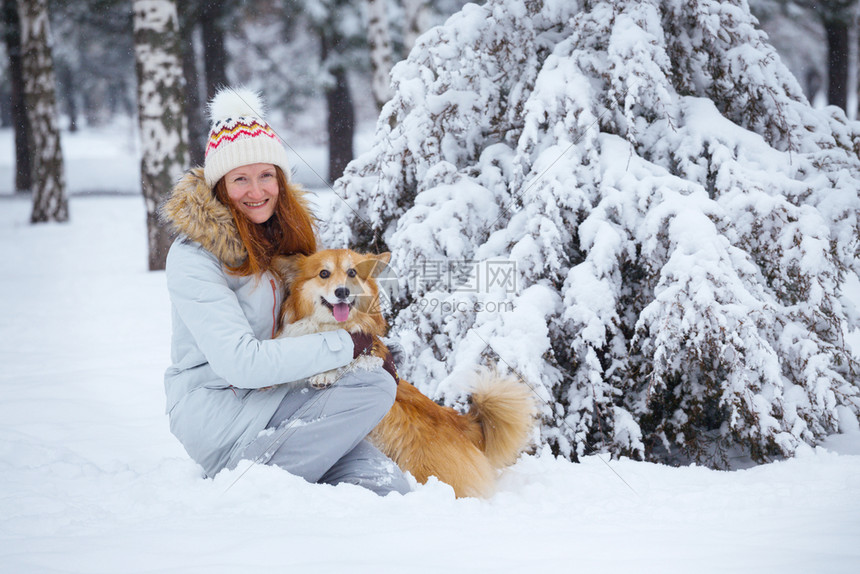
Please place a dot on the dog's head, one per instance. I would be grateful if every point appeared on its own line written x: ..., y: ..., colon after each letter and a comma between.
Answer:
x: 334, y: 288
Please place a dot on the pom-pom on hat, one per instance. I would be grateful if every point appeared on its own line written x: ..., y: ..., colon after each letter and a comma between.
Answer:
x: 239, y: 135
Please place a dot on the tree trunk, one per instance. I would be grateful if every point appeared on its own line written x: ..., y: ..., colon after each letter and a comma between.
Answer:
x: 49, y: 187
x: 162, y: 121
x: 379, y: 42
x: 416, y: 21
x: 67, y: 81
x: 837, y: 61
x: 20, y: 122
x: 341, y: 116
x: 197, y: 128
x: 214, y: 53
x: 341, y: 125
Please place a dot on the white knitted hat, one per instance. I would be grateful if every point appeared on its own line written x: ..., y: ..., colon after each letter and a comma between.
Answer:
x: 239, y: 135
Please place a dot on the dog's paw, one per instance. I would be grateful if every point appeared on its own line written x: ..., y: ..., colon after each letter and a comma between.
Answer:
x: 324, y: 380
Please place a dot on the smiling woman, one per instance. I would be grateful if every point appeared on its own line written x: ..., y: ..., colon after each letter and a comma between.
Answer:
x: 271, y: 215
x: 253, y: 190
x: 232, y: 390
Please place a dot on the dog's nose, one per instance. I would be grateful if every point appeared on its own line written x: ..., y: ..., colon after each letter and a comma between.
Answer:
x: 341, y: 292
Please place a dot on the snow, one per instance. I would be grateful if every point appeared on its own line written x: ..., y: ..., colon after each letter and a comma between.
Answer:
x: 92, y: 481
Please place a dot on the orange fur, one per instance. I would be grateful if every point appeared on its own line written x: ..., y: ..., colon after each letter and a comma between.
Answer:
x: 422, y: 437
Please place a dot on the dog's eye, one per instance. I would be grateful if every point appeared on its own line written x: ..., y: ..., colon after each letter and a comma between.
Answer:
x: 325, y: 273
x: 351, y: 273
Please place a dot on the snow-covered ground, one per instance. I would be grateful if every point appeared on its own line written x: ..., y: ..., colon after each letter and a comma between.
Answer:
x: 91, y: 480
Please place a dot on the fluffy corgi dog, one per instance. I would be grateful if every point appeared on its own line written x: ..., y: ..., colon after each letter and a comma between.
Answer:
x: 336, y: 289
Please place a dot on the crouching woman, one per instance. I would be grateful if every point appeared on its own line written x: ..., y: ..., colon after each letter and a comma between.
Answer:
x: 233, y: 391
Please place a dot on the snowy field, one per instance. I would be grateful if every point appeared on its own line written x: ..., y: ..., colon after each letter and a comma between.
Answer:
x: 91, y: 480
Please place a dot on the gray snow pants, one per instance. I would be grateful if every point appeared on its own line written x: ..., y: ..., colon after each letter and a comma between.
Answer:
x: 320, y: 434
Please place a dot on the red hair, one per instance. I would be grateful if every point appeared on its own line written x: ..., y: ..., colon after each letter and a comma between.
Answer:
x: 290, y: 230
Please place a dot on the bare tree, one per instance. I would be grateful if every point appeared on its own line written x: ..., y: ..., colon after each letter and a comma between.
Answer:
x: 837, y: 17
x: 379, y: 42
x: 337, y: 44
x: 49, y: 188
x: 341, y: 115
x: 189, y: 20
x: 20, y: 123
x: 417, y: 16
x: 214, y: 52
x: 162, y: 121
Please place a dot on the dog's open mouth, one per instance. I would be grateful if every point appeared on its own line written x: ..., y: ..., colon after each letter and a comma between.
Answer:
x: 339, y: 310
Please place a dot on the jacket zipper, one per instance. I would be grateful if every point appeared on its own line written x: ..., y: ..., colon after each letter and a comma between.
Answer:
x: 274, y: 307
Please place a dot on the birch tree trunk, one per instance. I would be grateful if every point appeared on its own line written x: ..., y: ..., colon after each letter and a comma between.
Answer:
x: 162, y: 121
x: 49, y: 187
x: 380, y: 51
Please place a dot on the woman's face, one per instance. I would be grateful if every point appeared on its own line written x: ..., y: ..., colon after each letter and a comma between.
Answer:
x: 253, y: 189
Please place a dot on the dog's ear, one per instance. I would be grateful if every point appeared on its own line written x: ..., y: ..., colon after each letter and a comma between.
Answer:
x: 372, y: 264
x: 287, y: 266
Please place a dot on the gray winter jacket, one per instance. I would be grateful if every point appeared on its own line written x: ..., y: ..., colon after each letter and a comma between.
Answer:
x: 228, y: 375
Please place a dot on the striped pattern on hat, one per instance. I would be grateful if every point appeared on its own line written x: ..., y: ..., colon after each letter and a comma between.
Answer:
x: 230, y: 130
x: 239, y: 135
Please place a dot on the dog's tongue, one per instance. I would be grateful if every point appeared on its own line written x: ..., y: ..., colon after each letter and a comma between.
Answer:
x: 341, y: 312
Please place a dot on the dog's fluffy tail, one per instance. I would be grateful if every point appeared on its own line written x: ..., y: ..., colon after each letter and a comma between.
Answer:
x: 505, y: 408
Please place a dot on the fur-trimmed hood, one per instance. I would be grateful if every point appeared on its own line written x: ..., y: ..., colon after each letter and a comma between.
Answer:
x: 192, y: 210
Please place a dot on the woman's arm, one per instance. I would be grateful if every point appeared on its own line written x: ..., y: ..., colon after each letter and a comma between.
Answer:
x: 211, y: 311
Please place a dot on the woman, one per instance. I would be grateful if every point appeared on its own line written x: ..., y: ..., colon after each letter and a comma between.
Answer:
x: 234, y: 392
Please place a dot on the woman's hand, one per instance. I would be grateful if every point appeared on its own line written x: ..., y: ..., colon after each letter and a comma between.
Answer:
x: 362, y: 344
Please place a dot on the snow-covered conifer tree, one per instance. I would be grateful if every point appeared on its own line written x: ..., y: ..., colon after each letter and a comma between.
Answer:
x: 49, y: 183
x: 162, y: 122
x: 681, y: 223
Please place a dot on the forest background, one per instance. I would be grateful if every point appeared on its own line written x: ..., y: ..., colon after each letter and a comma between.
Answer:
x: 313, y: 61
